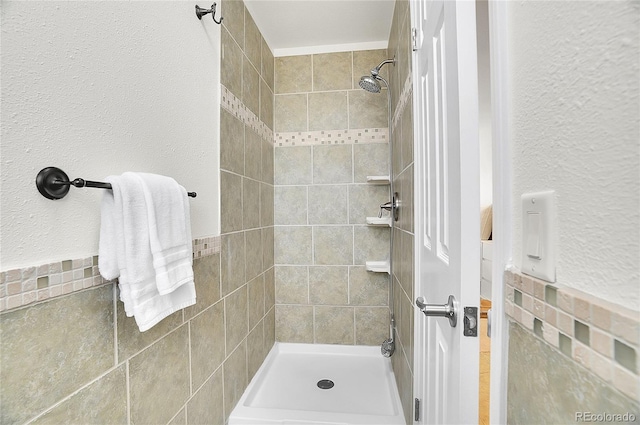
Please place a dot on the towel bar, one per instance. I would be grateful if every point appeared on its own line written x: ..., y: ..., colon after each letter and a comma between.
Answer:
x: 53, y: 183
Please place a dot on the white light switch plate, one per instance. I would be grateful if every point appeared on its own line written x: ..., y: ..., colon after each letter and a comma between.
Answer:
x: 539, y: 235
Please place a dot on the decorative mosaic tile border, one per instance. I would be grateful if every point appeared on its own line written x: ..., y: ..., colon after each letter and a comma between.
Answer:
x: 407, y: 89
x: 20, y: 287
x: 234, y: 106
x: 332, y: 137
x: 601, y: 336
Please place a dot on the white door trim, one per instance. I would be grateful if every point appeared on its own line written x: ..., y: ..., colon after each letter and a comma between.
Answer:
x: 502, y: 211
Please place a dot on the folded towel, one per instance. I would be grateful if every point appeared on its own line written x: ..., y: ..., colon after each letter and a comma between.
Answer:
x: 169, y: 231
x: 125, y: 252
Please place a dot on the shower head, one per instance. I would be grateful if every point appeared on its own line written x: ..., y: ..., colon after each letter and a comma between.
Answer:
x: 370, y: 84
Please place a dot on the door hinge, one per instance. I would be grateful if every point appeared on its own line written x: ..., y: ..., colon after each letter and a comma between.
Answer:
x: 414, y: 39
x: 416, y: 410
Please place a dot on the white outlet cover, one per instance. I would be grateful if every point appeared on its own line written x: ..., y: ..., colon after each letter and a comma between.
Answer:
x: 539, y: 235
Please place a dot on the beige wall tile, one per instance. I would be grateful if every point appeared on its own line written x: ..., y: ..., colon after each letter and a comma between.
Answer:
x: 293, y: 165
x: 233, y: 13
x: 332, y: 245
x: 253, y: 243
x: 78, y: 328
x: 368, y: 110
x: 328, y: 111
x: 269, y: 288
x: 294, y: 323
x: 231, y: 143
x: 232, y: 260
x: 372, y: 325
x: 404, y: 49
x: 334, y: 325
x: 104, y: 401
x: 545, y: 386
x: 266, y: 205
x: 332, y: 164
x: 328, y: 204
x: 256, y: 302
x: 292, y: 245
x: 291, y: 285
x: 230, y: 202
x: 131, y: 340
x: 268, y: 151
x: 206, y: 406
x: 328, y: 285
x: 332, y: 71
x: 234, y: 378
x: 180, y: 418
x: 407, y: 134
x: 206, y: 271
x: 207, y: 347
x: 269, y: 330
x: 266, y: 104
x: 255, y: 350
x: 371, y: 159
x: 250, y: 87
x: 267, y: 248
x: 230, y: 66
x: 252, y: 40
x: 252, y: 154
x: 157, y: 400
x: 291, y: 112
x: 293, y: 74
x: 250, y: 204
x: 267, y: 65
x: 370, y: 243
x: 236, y: 318
x: 290, y: 205
x: 367, y: 288
x: 365, y: 201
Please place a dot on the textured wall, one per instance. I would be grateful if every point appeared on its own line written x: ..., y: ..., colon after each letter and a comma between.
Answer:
x: 98, y: 91
x: 574, y: 113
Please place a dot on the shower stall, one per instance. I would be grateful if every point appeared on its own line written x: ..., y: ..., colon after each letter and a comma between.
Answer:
x: 334, y: 214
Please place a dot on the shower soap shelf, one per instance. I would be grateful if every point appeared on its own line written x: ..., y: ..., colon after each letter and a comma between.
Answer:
x: 379, y: 180
x: 378, y: 266
x: 379, y: 221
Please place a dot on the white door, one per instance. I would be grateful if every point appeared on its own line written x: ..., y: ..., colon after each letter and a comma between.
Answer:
x: 447, y: 208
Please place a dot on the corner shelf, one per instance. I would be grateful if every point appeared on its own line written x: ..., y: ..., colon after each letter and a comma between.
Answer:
x: 379, y: 222
x: 378, y: 266
x: 379, y: 180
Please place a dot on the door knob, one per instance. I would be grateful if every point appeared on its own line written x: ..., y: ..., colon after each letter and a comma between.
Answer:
x: 448, y: 310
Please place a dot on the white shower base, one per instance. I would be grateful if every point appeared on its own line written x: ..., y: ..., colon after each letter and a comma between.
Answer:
x: 285, y: 391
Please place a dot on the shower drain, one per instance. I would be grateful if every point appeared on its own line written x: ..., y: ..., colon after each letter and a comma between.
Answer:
x: 325, y: 384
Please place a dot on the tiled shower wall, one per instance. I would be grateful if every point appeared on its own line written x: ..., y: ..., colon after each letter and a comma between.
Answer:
x: 246, y: 189
x: 403, y: 238
x: 330, y: 135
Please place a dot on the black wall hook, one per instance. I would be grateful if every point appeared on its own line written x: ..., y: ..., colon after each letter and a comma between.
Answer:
x: 200, y: 12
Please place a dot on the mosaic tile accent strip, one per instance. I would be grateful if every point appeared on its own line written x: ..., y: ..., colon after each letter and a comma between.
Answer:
x: 332, y: 137
x: 407, y: 89
x: 601, y: 336
x: 20, y: 287
x: 235, y: 107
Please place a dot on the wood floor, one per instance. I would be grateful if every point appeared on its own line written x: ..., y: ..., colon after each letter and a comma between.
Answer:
x: 485, y: 362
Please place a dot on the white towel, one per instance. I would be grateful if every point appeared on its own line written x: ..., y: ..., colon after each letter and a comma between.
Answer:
x: 125, y: 252
x: 169, y: 231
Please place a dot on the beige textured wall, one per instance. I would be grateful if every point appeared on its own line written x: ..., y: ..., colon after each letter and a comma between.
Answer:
x: 323, y: 292
x: 402, y: 156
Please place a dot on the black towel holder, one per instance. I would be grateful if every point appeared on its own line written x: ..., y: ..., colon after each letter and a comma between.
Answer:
x: 53, y: 183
